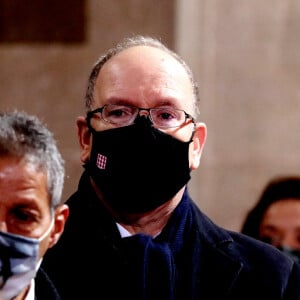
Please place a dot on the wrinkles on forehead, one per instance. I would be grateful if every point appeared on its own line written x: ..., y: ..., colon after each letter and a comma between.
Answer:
x: 144, y: 74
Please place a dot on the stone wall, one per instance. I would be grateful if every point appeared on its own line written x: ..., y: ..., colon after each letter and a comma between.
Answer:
x: 246, y: 57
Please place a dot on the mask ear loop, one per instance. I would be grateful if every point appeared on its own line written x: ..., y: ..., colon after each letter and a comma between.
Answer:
x: 193, y: 132
x: 47, y: 231
x: 88, y: 122
x: 41, y: 239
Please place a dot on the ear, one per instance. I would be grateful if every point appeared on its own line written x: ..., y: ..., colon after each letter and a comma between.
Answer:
x: 60, y: 218
x: 197, y: 145
x: 84, y: 137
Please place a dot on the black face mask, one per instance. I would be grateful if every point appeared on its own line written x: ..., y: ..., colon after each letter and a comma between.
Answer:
x: 138, y: 168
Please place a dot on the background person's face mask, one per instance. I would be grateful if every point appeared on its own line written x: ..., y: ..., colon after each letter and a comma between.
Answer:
x: 19, y: 262
x: 292, y: 253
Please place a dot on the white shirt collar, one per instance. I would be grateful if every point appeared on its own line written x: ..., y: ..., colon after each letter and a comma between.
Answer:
x: 123, y: 232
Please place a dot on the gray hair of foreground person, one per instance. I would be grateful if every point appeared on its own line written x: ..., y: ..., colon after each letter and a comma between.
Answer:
x: 25, y: 137
x: 132, y: 42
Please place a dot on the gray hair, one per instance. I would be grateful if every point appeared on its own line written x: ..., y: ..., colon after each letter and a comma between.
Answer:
x: 24, y: 136
x: 128, y: 43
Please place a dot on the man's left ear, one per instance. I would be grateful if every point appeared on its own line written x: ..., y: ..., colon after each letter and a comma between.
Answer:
x: 60, y: 218
x: 197, y: 145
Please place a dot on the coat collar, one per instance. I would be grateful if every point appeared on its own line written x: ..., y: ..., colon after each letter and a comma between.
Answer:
x: 218, y: 266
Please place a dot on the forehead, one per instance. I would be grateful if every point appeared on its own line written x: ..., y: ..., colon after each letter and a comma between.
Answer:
x: 283, y: 211
x: 143, y: 72
x: 151, y: 57
x: 21, y: 181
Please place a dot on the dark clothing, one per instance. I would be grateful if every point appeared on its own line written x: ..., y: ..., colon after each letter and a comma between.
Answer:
x: 44, y: 288
x: 191, y: 259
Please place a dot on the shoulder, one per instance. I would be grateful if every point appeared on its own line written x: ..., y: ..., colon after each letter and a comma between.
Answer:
x: 252, y: 255
x: 252, y: 251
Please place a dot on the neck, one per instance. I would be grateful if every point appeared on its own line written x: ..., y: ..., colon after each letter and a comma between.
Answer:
x: 150, y: 223
x: 22, y: 295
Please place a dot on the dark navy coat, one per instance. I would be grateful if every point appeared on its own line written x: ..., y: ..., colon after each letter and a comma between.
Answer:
x: 44, y: 288
x: 91, y: 260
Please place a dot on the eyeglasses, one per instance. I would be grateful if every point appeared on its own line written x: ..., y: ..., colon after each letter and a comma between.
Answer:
x: 123, y: 115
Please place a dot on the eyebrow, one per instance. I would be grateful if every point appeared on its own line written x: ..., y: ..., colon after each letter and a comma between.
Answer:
x: 160, y: 102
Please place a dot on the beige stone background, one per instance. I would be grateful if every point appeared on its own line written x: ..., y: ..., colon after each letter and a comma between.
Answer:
x: 246, y: 57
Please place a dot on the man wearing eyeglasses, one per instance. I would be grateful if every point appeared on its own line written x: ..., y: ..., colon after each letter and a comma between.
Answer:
x: 133, y: 231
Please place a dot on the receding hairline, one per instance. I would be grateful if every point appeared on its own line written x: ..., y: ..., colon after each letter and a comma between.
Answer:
x: 126, y: 44
x: 139, y: 56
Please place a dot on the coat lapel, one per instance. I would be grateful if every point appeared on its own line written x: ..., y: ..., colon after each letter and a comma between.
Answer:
x: 216, y: 267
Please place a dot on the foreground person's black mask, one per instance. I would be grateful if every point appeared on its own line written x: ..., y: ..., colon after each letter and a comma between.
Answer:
x: 137, y: 167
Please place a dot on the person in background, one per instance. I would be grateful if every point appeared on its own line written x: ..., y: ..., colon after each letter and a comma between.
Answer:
x: 32, y: 216
x: 275, y: 218
x: 134, y: 232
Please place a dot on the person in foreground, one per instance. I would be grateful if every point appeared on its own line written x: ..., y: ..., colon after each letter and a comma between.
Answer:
x: 133, y: 231
x: 32, y: 216
x: 275, y: 218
